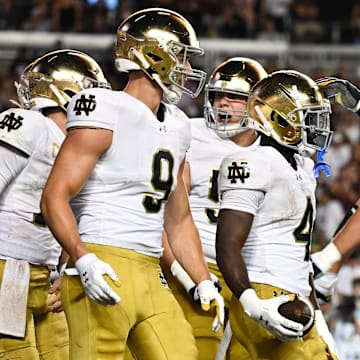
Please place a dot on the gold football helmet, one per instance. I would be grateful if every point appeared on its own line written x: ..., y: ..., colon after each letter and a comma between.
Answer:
x: 52, y: 79
x: 234, y: 77
x: 289, y: 107
x: 159, y: 42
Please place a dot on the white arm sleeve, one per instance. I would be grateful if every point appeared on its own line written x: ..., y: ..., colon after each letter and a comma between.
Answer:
x: 11, y: 163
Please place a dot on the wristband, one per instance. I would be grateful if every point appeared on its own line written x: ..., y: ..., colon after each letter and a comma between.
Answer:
x: 249, y: 300
x: 327, y: 257
x: 178, y: 271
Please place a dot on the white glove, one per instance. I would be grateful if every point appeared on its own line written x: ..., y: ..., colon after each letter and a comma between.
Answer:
x: 324, y: 287
x: 91, y: 271
x: 266, y: 313
x: 324, y: 332
x: 207, y: 298
x: 211, y: 298
x: 194, y: 292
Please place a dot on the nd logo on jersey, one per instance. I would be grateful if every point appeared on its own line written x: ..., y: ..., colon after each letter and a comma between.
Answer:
x: 85, y: 104
x: 11, y: 122
x: 238, y: 172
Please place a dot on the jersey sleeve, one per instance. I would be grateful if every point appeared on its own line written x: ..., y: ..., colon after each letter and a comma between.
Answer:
x: 21, y: 129
x: 244, y: 179
x: 93, y: 108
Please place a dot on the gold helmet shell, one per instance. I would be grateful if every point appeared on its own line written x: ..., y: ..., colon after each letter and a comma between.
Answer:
x: 52, y: 79
x: 233, y: 77
x: 159, y: 42
x: 289, y: 107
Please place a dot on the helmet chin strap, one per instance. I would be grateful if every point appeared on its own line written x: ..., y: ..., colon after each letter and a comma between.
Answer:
x: 305, y: 151
x: 171, y: 94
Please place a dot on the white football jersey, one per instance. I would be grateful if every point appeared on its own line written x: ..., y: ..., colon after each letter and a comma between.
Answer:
x: 206, y: 151
x: 278, y: 246
x: 23, y: 234
x: 122, y: 203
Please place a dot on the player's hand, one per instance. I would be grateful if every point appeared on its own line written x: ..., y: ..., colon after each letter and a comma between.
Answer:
x: 194, y: 291
x: 91, y: 271
x: 54, y: 298
x: 326, y: 336
x: 210, y: 298
x: 267, y: 314
x: 341, y: 91
x: 324, y: 287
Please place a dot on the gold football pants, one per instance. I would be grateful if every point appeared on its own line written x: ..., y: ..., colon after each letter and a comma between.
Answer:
x: 46, y: 336
x: 147, y: 318
x: 261, y: 344
x: 207, y: 341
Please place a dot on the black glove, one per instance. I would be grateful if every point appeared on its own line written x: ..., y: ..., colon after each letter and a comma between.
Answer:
x: 340, y: 91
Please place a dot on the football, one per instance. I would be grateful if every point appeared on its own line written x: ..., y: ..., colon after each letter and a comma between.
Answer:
x: 300, y: 310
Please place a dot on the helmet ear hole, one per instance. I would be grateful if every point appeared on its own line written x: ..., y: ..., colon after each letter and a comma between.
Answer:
x: 69, y: 92
x: 276, y: 118
x: 154, y: 58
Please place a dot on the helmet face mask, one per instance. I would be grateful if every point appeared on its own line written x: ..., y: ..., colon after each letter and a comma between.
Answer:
x: 52, y: 79
x: 225, y: 121
x: 315, y: 126
x: 289, y: 107
x: 233, y: 80
x: 160, y: 42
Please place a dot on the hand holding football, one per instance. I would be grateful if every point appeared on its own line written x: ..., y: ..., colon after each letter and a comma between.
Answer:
x: 300, y: 310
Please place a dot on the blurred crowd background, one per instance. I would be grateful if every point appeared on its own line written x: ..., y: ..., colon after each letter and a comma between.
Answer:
x: 320, y: 37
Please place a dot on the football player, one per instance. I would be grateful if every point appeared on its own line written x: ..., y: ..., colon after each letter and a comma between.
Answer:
x: 346, y: 238
x: 221, y: 131
x: 328, y: 261
x: 32, y: 324
x: 267, y: 213
x: 121, y: 167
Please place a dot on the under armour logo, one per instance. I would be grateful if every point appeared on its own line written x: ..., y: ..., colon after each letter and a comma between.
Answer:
x: 11, y: 122
x: 236, y: 172
x: 85, y: 104
x: 163, y: 281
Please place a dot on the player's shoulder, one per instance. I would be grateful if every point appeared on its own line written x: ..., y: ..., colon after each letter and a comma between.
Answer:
x: 247, y: 167
x: 257, y: 154
x: 19, y: 115
x: 21, y: 128
x: 99, y: 107
x: 19, y: 120
x: 89, y: 100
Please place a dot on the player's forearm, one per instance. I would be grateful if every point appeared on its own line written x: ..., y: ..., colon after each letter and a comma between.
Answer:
x: 167, y: 257
x: 349, y: 236
x: 186, y: 247
x: 61, y: 221
x: 233, y: 268
x: 233, y: 228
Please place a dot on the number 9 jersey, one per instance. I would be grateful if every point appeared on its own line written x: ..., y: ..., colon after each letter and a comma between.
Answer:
x: 260, y: 181
x: 122, y: 203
